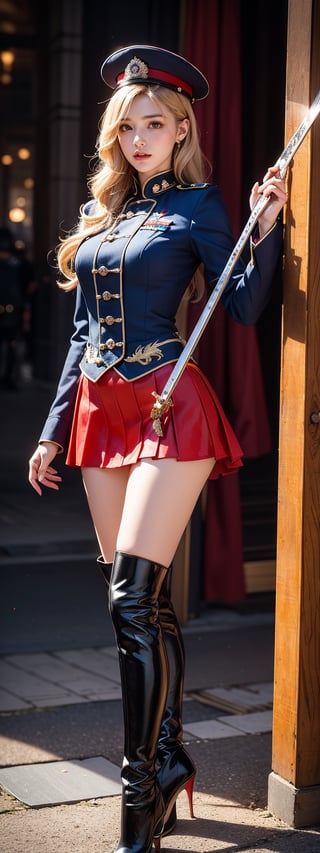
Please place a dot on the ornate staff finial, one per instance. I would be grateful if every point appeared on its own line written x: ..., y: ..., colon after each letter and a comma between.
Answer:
x: 158, y: 410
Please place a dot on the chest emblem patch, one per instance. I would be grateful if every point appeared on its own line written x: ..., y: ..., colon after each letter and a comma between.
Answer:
x: 159, y: 222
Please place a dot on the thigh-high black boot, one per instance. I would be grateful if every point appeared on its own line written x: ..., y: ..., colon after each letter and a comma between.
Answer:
x: 176, y: 770
x: 106, y: 569
x: 133, y: 600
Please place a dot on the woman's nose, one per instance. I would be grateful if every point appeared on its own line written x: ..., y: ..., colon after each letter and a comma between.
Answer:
x: 138, y: 141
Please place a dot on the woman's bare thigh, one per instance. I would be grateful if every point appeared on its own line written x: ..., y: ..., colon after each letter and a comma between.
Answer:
x: 105, y: 489
x: 160, y: 496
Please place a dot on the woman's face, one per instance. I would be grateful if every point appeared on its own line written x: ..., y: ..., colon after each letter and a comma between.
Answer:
x: 147, y: 135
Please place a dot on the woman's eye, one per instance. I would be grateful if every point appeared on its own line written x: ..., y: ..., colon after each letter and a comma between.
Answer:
x: 124, y: 127
x: 155, y: 124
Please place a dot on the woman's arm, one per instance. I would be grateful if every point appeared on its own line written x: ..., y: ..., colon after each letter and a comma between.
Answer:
x: 58, y: 424
x: 56, y: 430
x: 249, y: 289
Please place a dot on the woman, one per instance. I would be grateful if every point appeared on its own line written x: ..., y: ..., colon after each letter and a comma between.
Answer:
x: 150, y: 224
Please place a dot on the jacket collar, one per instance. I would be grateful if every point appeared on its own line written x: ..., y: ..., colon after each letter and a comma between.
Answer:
x: 156, y: 185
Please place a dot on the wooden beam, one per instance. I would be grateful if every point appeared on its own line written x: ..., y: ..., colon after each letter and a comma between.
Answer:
x: 294, y: 784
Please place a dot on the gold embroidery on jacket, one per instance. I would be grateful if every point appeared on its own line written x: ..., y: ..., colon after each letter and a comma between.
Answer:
x: 143, y: 355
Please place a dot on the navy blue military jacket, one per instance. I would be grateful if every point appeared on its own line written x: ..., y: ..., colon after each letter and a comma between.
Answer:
x: 132, y: 278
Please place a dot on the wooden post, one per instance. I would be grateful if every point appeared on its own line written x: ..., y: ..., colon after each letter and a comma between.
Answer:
x: 294, y: 784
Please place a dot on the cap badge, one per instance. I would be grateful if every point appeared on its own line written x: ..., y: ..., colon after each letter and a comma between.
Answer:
x: 136, y: 68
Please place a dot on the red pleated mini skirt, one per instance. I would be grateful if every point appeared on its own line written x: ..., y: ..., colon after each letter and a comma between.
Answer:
x: 112, y: 424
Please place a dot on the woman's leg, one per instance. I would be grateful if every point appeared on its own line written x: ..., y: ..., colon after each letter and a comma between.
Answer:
x: 144, y: 509
x: 134, y: 604
x: 134, y: 589
x: 159, y: 500
x: 134, y: 595
x: 106, y: 489
x: 175, y: 768
x: 160, y: 497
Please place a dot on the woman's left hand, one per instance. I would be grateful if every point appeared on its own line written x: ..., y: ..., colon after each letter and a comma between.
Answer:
x: 274, y: 187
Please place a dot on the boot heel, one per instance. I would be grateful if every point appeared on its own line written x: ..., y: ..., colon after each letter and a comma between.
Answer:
x: 157, y: 842
x: 189, y: 791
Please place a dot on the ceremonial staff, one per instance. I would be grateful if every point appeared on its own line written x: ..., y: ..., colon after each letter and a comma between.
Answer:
x: 164, y: 401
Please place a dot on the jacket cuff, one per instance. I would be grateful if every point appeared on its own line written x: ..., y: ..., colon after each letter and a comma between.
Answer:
x: 59, y: 446
x: 256, y: 241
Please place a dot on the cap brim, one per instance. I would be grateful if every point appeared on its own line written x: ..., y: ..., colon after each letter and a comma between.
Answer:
x: 155, y: 58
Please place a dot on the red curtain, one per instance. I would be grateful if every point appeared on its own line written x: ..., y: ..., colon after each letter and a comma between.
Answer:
x: 229, y: 353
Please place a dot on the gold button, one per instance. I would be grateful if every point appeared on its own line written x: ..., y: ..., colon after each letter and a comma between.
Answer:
x: 110, y: 343
x: 109, y: 320
x: 156, y: 188
x: 103, y: 270
x: 106, y: 295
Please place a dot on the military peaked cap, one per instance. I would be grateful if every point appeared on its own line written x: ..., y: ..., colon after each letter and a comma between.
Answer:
x: 141, y: 63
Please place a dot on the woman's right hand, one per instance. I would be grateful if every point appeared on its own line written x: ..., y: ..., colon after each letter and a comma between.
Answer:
x: 40, y: 470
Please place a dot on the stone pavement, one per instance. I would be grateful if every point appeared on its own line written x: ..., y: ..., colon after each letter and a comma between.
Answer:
x: 61, y: 727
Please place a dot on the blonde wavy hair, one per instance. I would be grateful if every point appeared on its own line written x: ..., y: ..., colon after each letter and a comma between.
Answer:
x: 113, y: 178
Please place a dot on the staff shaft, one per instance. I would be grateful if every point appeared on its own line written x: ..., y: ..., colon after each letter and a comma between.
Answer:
x: 163, y: 400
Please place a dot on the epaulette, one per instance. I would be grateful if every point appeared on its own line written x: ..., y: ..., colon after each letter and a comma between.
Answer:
x: 192, y: 186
